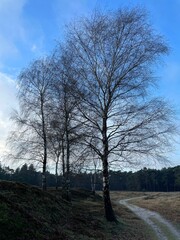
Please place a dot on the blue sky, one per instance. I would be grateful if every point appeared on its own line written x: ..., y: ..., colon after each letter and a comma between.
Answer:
x: 30, y: 28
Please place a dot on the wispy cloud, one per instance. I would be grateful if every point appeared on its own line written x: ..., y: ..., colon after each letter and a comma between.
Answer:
x: 8, y: 91
x: 12, y: 30
x: 7, y: 102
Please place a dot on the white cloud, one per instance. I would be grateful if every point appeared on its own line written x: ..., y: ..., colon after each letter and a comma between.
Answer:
x: 12, y: 31
x: 8, y: 91
x: 7, y: 103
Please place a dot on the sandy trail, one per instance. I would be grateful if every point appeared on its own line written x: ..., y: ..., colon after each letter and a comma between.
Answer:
x: 154, y: 220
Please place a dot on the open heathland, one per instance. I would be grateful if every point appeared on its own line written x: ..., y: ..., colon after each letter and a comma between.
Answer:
x: 27, y: 212
x: 167, y: 204
x: 159, y: 210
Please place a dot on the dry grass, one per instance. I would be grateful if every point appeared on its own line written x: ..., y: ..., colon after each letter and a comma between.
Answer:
x: 167, y: 204
x: 118, y: 195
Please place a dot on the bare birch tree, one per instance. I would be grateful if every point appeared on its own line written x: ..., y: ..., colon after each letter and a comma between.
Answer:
x: 56, y: 144
x: 34, y: 96
x: 65, y: 112
x: 115, y: 54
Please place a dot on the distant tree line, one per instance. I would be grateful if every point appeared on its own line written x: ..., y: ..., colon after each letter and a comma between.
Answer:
x: 166, y: 179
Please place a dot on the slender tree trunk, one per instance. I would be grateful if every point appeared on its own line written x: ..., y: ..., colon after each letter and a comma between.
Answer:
x: 94, y: 192
x: 63, y: 158
x: 44, y: 179
x: 44, y: 184
x: 63, y: 169
x: 68, y: 193
x: 57, y: 162
x: 109, y: 213
x: 93, y: 182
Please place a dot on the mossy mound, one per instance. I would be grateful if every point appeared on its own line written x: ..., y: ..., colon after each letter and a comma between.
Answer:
x: 27, y: 212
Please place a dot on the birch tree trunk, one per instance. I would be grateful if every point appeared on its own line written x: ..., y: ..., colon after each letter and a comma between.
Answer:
x: 109, y: 213
x: 44, y: 184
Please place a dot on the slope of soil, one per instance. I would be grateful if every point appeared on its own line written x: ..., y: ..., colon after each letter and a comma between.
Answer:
x: 28, y: 213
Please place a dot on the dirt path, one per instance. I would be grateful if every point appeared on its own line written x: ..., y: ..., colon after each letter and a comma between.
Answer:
x: 164, y: 230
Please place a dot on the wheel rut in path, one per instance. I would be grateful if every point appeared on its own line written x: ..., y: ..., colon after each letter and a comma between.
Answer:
x: 154, y: 220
